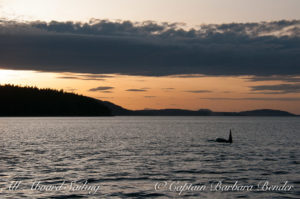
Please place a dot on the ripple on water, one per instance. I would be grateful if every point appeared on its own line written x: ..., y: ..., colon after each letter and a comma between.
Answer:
x: 126, y: 156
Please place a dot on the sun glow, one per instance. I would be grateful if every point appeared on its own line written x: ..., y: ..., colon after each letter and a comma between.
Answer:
x: 7, y: 76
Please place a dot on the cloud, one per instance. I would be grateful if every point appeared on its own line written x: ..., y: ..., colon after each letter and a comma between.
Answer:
x: 277, y: 89
x: 80, y: 78
x: 287, y: 78
x: 106, y: 91
x: 95, y: 77
x: 254, y: 99
x: 102, y: 88
x: 188, y: 76
x: 198, y: 91
x: 136, y: 90
x: 152, y: 49
x: 68, y: 77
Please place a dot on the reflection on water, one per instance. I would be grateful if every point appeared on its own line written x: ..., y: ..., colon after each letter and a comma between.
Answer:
x: 129, y: 156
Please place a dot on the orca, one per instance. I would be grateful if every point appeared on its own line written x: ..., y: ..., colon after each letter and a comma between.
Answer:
x: 224, y: 140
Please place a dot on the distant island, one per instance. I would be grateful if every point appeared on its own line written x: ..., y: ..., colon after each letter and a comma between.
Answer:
x: 117, y: 110
x: 32, y: 101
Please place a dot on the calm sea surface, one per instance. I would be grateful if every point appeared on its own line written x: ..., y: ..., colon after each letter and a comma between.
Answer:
x: 149, y: 157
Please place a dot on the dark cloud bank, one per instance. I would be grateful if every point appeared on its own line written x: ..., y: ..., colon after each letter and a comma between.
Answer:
x: 198, y: 91
x: 151, y: 49
x: 95, y: 77
x: 101, y: 88
x: 137, y: 90
x: 277, y: 89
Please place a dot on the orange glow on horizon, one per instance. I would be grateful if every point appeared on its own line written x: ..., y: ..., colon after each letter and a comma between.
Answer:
x: 215, y: 93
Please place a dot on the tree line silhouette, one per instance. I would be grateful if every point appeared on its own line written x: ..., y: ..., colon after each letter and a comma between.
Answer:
x: 32, y: 101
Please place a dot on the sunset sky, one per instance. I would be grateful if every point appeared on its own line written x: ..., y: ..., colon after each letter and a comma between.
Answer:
x: 229, y: 55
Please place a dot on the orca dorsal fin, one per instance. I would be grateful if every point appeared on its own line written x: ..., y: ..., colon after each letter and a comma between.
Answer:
x: 230, y: 137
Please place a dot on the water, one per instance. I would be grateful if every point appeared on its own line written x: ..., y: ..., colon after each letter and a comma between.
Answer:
x: 140, y: 157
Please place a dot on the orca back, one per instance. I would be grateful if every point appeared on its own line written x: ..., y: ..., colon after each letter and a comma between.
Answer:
x: 224, y: 140
x: 221, y: 140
